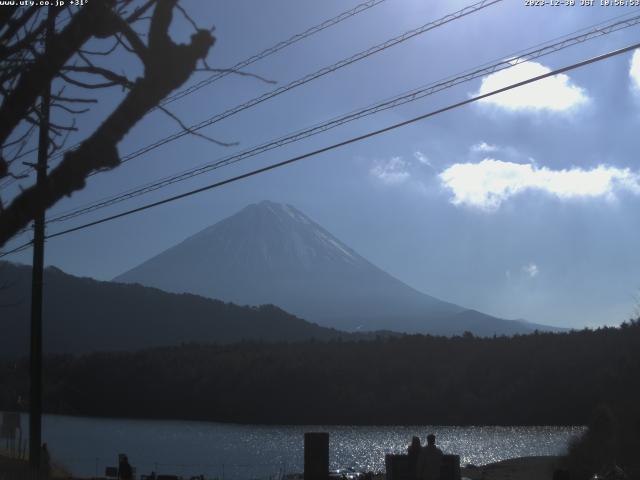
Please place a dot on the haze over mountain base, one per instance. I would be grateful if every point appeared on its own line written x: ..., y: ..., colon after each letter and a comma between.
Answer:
x: 84, y: 315
x: 270, y: 253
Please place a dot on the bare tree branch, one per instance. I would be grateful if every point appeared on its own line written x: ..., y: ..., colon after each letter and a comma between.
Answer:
x: 236, y: 72
x: 107, y: 52
x: 195, y: 133
x: 60, y: 98
x: 72, y: 111
x: 137, y: 46
x: 140, y: 11
x: 95, y: 19
x: 112, y: 77
x: 167, y: 66
x: 13, y: 26
x: 187, y: 17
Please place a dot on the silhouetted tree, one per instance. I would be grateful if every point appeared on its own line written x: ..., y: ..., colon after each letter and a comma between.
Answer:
x: 25, y: 71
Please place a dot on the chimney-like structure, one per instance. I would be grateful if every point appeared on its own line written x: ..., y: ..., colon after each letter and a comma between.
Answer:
x: 316, y: 456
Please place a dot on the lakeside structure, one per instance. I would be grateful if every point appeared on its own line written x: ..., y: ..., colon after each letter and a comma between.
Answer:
x: 423, y: 463
x: 420, y: 463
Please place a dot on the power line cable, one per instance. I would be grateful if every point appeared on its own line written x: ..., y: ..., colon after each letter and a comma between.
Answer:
x: 304, y: 80
x: 275, y: 48
x: 511, y: 61
x: 243, y: 63
x: 313, y: 76
x: 344, y: 143
x: 20, y: 248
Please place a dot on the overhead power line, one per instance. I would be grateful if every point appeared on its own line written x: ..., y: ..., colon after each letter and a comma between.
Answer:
x: 340, y: 144
x: 315, y: 75
x: 486, y: 69
x: 362, y: 7
x: 306, y: 79
x: 273, y: 49
x: 20, y: 248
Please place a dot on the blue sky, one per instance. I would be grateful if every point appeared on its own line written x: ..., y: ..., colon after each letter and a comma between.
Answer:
x: 522, y: 206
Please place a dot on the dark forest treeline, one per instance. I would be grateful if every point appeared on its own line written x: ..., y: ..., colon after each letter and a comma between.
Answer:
x: 523, y: 380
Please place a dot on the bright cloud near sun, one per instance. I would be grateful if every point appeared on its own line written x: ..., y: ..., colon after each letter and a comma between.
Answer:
x: 489, y: 183
x: 531, y: 269
x: 634, y: 71
x: 556, y: 93
x: 392, y: 171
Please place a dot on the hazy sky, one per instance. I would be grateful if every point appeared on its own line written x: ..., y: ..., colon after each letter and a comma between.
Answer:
x: 525, y: 205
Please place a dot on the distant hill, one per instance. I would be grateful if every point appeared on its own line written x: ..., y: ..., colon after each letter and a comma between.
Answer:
x: 273, y: 253
x: 84, y: 315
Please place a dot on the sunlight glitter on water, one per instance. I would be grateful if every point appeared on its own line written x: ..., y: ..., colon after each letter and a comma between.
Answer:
x: 88, y: 445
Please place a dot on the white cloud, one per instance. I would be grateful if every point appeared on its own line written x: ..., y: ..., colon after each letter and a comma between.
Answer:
x: 392, y: 171
x: 484, y: 147
x: 556, y: 93
x: 487, y: 184
x: 531, y: 269
x: 634, y: 71
x: 422, y: 158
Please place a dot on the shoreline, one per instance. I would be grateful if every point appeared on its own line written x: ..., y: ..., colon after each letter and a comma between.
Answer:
x: 178, y: 419
x: 519, y: 468
x: 480, y: 446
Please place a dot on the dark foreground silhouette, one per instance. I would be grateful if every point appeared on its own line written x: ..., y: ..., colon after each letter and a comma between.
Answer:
x: 423, y: 463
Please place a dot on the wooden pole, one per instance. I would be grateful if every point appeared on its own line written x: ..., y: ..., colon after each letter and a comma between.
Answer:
x: 35, y: 397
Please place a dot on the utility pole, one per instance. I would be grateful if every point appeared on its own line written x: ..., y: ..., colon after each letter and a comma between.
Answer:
x: 35, y: 396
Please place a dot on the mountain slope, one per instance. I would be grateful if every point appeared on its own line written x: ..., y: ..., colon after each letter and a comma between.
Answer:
x: 84, y: 315
x: 272, y: 253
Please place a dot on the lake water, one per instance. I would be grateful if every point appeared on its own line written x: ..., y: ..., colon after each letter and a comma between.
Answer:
x: 87, y: 445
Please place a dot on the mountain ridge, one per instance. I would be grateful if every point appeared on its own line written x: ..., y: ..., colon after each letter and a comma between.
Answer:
x: 82, y: 315
x: 274, y: 253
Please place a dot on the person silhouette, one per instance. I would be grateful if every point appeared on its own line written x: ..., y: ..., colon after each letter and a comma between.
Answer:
x: 429, y: 460
x: 125, y: 471
x: 413, y: 454
x: 45, y: 461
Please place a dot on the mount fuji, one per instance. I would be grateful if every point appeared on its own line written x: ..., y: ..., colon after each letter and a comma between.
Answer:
x: 269, y: 253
